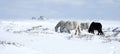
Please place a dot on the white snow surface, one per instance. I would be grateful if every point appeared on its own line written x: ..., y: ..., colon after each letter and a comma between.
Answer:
x: 39, y: 37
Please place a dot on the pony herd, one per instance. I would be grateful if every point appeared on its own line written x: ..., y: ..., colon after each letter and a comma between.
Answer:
x: 66, y: 26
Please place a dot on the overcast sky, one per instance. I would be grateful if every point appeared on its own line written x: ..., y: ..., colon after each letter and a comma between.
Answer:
x: 78, y: 9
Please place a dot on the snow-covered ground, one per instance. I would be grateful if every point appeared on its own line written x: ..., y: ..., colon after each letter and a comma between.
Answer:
x: 39, y: 37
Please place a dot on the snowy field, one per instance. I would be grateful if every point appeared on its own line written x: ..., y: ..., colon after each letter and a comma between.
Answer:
x: 39, y: 37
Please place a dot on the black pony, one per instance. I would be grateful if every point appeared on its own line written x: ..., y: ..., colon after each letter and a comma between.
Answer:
x: 96, y: 26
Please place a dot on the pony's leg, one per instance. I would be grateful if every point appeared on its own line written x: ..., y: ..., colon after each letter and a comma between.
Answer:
x: 75, y: 32
x: 92, y: 32
x: 101, y: 32
x: 79, y: 30
x: 98, y: 32
x: 61, y: 30
x: 69, y: 31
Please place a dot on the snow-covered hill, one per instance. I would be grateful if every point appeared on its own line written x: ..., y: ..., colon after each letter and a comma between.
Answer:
x: 39, y: 37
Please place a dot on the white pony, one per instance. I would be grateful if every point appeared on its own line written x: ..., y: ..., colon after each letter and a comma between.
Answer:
x: 72, y: 25
x: 61, y: 24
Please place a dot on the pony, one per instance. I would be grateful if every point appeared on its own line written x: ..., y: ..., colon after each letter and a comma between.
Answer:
x: 60, y: 24
x: 72, y: 25
x: 96, y: 26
